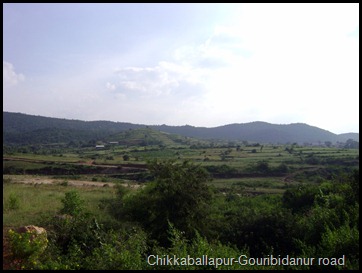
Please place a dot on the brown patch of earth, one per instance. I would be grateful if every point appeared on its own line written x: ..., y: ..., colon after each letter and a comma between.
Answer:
x: 26, y: 179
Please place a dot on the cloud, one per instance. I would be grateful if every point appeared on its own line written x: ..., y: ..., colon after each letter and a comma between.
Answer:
x: 110, y: 86
x: 278, y: 63
x: 163, y: 79
x: 275, y: 67
x: 10, y: 78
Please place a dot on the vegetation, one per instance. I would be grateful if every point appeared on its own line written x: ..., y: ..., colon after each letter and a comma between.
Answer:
x: 28, y: 129
x: 172, y: 201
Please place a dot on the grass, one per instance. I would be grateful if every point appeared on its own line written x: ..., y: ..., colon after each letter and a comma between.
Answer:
x: 265, y: 183
x: 35, y: 202
x: 27, y: 204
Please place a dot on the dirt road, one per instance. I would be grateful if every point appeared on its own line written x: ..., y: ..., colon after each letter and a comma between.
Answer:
x: 36, y: 180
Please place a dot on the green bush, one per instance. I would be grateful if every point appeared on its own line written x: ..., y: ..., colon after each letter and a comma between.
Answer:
x: 27, y: 245
x: 72, y: 203
x: 13, y: 202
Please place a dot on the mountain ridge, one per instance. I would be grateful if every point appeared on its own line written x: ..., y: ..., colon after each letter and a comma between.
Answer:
x: 15, y: 125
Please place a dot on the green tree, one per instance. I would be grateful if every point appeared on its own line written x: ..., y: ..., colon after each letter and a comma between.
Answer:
x: 183, y: 196
x: 72, y: 203
x: 179, y: 194
x: 351, y: 144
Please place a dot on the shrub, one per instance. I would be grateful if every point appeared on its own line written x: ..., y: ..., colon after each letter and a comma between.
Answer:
x: 14, y: 202
x: 28, y: 244
x: 73, y: 204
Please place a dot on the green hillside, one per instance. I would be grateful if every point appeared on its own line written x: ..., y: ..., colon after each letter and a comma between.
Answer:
x: 148, y: 136
x: 22, y: 129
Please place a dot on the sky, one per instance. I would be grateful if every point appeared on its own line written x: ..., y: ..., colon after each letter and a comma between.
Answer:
x: 184, y: 64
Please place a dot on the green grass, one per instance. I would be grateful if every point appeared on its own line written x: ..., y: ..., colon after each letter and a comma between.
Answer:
x: 39, y: 201
x: 49, y: 158
x: 36, y: 201
x: 250, y: 182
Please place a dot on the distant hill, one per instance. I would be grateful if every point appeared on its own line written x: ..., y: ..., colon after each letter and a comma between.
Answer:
x: 30, y: 129
x: 346, y: 136
x: 263, y: 132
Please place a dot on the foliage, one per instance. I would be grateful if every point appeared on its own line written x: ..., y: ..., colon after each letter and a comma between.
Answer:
x: 301, y: 198
x: 13, y: 202
x: 178, y: 194
x: 27, y: 245
x: 72, y: 203
x: 223, y: 170
x: 177, y: 211
x: 121, y: 251
x: 259, y: 223
x: 188, y: 253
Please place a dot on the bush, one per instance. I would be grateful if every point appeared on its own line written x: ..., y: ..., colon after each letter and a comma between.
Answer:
x: 121, y: 251
x: 262, y: 167
x: 27, y: 245
x: 14, y: 202
x: 73, y: 204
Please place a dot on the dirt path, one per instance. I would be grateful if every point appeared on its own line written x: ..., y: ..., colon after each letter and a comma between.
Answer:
x: 125, y: 166
x: 34, y: 180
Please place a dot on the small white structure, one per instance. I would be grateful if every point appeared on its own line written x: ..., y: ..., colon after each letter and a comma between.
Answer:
x: 99, y: 146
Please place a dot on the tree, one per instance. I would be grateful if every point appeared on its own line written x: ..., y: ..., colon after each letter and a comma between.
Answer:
x: 351, y: 144
x: 183, y: 196
x: 262, y: 166
x: 328, y: 143
x: 179, y: 195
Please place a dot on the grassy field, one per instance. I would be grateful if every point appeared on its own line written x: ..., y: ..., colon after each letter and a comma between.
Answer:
x: 246, y: 205
x: 235, y: 170
x: 25, y: 204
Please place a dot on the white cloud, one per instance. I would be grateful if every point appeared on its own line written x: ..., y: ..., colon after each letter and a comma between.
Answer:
x: 271, y: 64
x: 10, y: 77
x: 284, y: 65
x: 161, y: 80
x: 110, y: 86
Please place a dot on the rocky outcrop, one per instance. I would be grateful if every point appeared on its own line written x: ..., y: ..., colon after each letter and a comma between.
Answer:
x: 32, y: 229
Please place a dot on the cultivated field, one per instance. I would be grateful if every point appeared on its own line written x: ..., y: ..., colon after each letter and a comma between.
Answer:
x: 267, y: 169
x: 113, y: 183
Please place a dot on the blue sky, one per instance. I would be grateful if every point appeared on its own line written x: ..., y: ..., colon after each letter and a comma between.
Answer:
x: 176, y: 64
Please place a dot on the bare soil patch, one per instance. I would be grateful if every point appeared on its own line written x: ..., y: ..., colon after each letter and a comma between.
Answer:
x: 35, y: 180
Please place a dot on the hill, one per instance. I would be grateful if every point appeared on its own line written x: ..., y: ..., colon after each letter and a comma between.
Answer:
x: 29, y: 129
x: 263, y: 132
x: 148, y: 136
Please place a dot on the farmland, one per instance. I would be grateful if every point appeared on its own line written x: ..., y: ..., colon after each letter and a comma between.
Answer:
x: 255, y: 176
x: 230, y: 164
